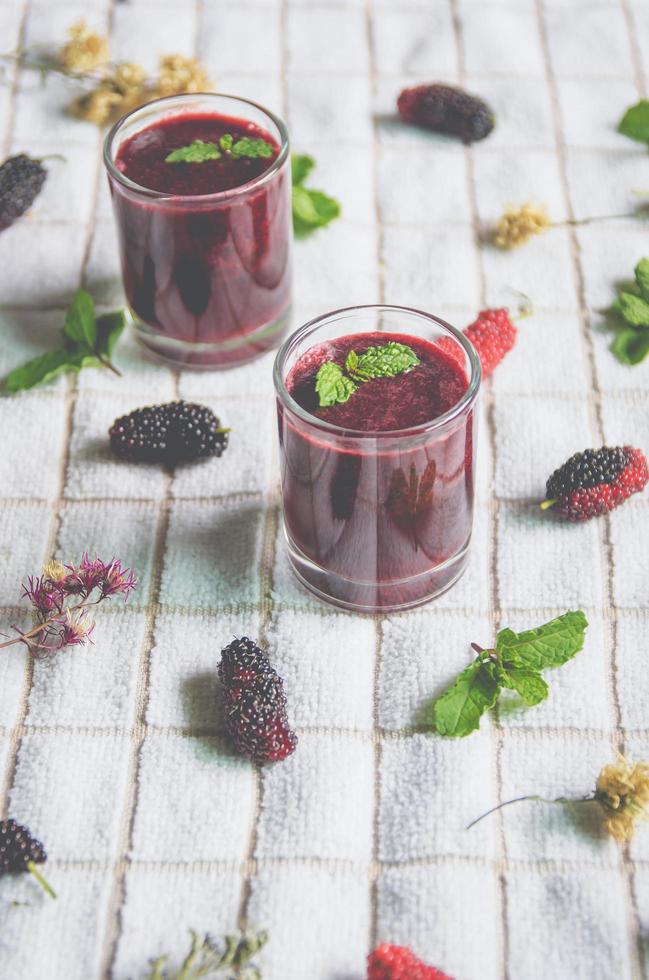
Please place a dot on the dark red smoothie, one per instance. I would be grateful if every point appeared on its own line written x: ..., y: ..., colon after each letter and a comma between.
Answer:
x: 378, y: 520
x: 205, y: 260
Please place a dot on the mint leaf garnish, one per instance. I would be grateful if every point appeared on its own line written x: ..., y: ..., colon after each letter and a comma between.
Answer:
x: 547, y: 646
x: 88, y: 341
x: 515, y: 663
x: 459, y: 710
x: 634, y: 309
x: 301, y: 167
x: 45, y: 367
x: 226, y: 142
x: 312, y: 209
x: 642, y: 277
x: 631, y: 346
x: 332, y: 386
x: 635, y: 122
x: 246, y: 147
x: 80, y: 324
x: 527, y: 682
x: 196, y: 152
x: 381, y: 362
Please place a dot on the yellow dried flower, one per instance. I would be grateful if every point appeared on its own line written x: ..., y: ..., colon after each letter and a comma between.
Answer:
x: 518, y: 225
x: 623, y: 792
x: 84, y: 50
x: 118, y: 93
x: 54, y: 570
x: 177, y: 74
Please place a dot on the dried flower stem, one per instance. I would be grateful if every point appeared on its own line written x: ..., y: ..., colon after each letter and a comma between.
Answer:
x: 43, y: 626
x: 536, y: 799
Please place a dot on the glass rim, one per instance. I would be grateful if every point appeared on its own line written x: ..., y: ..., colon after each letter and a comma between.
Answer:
x: 150, y: 192
x: 461, y: 406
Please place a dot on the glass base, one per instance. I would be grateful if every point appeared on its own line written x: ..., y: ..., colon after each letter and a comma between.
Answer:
x: 213, y: 357
x: 376, y: 597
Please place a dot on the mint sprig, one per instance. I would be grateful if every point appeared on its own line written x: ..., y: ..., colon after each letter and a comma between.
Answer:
x: 334, y: 387
x: 516, y: 663
x: 199, y: 151
x: 312, y: 209
x: 88, y: 341
x: 631, y: 310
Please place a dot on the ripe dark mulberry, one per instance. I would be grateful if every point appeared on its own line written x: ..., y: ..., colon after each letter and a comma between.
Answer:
x: 596, y: 481
x: 19, y: 851
x: 255, y: 703
x: 21, y: 181
x: 446, y: 109
x: 388, y: 962
x: 173, y: 433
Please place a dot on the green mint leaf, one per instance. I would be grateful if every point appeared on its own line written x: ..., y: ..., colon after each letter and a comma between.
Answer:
x: 226, y: 142
x: 634, y: 309
x: 631, y: 345
x: 196, y: 152
x: 301, y: 167
x: 527, y: 682
x: 635, y: 122
x: 80, y: 324
x: 549, y: 645
x: 110, y: 327
x: 381, y: 362
x: 642, y: 277
x: 332, y: 386
x: 458, y: 711
x: 312, y: 210
x: 252, y: 148
x: 38, y: 370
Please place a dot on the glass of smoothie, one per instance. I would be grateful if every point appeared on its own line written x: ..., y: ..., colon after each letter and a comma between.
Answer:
x: 377, y: 410
x: 201, y: 190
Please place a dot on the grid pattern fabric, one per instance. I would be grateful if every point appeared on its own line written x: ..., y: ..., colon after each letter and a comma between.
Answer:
x: 114, y: 755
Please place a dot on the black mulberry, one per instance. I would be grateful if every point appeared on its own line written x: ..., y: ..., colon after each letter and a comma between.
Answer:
x: 446, y: 109
x: 173, y: 433
x: 19, y: 851
x: 21, y: 181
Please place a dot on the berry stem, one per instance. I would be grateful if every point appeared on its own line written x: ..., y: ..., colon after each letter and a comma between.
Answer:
x: 546, y: 504
x: 45, y: 885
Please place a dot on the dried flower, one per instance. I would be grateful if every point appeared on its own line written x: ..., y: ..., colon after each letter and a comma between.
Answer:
x: 122, y: 90
x: 623, y: 792
x: 206, y: 957
x: 517, y: 225
x: 177, y: 74
x: 84, y: 50
x: 59, y: 625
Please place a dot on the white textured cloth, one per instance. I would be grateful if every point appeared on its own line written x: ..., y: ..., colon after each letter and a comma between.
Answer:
x: 114, y: 754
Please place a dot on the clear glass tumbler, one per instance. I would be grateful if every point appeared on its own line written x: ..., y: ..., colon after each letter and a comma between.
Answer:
x: 377, y: 521
x: 207, y: 277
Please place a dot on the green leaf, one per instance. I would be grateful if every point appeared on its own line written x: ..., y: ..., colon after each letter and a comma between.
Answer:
x: 196, y: 152
x: 549, y: 645
x: 40, y: 369
x: 458, y: 711
x: 226, y: 142
x: 642, y: 277
x: 301, y: 167
x: 246, y: 147
x: 381, y: 362
x: 332, y: 386
x: 311, y: 210
x: 80, y: 324
x: 634, y: 309
x: 631, y: 345
x: 110, y: 327
x: 527, y: 682
x: 635, y: 122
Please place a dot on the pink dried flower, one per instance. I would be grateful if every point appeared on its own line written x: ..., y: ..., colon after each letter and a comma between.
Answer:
x: 46, y: 596
x: 76, y: 628
x: 117, y: 580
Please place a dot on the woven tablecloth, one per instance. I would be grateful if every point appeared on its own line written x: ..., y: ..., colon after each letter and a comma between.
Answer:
x: 114, y: 754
